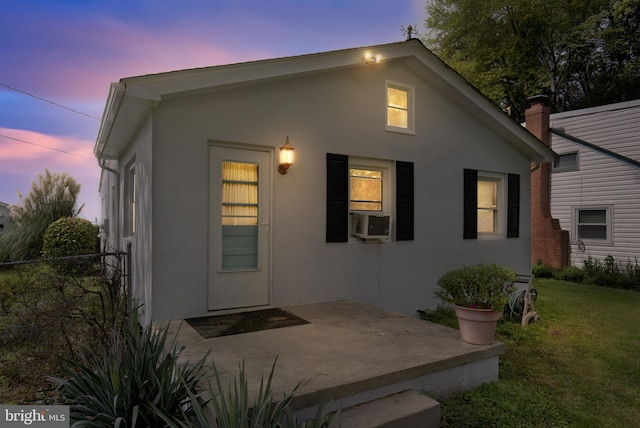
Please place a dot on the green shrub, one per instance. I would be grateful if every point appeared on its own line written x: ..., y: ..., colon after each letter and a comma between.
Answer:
x: 71, y: 237
x: 542, y: 271
x: 570, y: 273
x: 610, y: 273
x: 135, y: 380
x: 480, y: 286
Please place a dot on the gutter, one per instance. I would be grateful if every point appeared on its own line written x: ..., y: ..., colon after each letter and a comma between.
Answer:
x: 117, y: 93
x: 617, y: 156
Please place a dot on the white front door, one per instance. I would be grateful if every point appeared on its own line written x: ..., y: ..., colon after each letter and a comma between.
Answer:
x: 239, y: 225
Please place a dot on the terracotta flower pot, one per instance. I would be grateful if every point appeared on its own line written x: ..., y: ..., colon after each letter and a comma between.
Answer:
x: 477, y: 326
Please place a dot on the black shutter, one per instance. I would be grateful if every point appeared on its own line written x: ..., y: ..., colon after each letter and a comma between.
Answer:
x: 513, y: 206
x: 337, y: 198
x: 470, y: 228
x: 404, y: 201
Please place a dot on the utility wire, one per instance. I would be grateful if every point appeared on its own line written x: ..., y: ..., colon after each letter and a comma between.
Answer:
x: 49, y: 101
x: 44, y: 147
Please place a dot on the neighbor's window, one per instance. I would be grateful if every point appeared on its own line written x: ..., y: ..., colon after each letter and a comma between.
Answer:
x: 365, y: 189
x: 566, y: 162
x: 593, y: 224
x: 400, y: 108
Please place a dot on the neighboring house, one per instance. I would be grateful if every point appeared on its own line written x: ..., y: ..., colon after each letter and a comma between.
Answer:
x: 190, y: 179
x: 5, y: 218
x: 595, y: 182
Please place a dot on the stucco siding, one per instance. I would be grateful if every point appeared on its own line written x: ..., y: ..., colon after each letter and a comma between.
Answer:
x: 338, y: 112
x: 600, y: 181
x: 115, y: 224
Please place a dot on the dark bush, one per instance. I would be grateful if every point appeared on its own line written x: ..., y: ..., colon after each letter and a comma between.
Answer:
x: 45, y: 315
x: 610, y: 273
x: 570, y: 273
x: 542, y: 271
x: 71, y: 237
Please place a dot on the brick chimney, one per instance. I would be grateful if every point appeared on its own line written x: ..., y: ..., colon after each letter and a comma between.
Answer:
x: 549, y: 243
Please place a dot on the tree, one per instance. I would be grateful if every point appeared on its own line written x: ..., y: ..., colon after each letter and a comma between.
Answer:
x: 54, y: 196
x: 578, y: 52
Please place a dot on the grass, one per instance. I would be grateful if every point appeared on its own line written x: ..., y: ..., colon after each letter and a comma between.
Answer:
x: 577, y: 367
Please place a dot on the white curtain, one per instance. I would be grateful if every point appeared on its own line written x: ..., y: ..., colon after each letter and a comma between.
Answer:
x: 239, y: 193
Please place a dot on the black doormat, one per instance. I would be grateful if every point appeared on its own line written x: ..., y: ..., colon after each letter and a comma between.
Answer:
x: 245, y: 322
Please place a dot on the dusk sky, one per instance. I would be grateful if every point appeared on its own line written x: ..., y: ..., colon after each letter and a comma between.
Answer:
x: 68, y: 51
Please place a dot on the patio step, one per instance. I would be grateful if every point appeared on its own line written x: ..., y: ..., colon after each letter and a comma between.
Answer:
x: 408, y: 409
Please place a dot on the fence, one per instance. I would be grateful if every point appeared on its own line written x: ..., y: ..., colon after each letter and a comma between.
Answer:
x: 57, y: 308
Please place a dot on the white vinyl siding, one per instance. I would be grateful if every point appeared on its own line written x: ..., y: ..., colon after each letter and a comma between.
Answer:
x: 601, y: 180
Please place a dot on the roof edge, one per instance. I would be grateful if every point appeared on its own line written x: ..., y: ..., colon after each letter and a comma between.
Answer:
x: 617, y: 156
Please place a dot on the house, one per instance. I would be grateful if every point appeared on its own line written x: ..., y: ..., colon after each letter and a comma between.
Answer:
x: 595, y: 182
x: 5, y: 218
x: 401, y: 171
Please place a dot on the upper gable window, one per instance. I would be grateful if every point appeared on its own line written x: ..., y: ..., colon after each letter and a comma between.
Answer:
x: 400, y: 108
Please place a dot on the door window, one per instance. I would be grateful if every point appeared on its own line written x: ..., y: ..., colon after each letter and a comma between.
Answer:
x: 239, y: 216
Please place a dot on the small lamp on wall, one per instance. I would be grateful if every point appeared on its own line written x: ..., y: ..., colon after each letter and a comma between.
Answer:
x: 370, y: 57
x: 286, y: 157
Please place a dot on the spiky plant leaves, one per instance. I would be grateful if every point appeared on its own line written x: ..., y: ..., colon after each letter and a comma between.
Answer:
x: 135, y: 380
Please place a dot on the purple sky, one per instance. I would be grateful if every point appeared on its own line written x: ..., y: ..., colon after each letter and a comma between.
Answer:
x: 68, y: 51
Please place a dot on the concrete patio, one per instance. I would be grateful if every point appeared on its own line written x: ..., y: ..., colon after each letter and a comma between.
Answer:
x: 356, y: 355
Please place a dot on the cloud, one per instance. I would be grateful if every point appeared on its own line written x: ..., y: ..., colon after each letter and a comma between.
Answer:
x: 28, y: 147
x: 74, y: 53
x: 77, y: 58
x: 22, y: 162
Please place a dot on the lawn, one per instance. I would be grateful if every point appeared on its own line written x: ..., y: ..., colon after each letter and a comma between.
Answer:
x: 579, y: 366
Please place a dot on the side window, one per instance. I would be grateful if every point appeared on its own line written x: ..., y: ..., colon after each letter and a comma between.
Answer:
x: 365, y: 189
x: 400, y: 108
x: 491, y: 205
x: 364, y: 185
x: 131, y: 190
x: 488, y: 190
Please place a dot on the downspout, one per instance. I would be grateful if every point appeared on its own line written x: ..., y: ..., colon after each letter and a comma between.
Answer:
x: 114, y: 101
x: 117, y: 198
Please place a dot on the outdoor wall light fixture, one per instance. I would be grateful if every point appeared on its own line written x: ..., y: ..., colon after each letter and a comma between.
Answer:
x: 286, y: 157
x: 370, y: 57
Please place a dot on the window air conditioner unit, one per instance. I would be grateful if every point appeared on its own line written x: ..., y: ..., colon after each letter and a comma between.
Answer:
x: 370, y: 226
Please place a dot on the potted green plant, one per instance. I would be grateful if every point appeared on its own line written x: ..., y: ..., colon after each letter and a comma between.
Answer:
x: 479, y: 294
